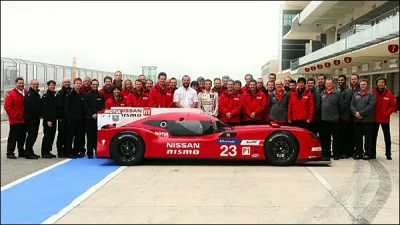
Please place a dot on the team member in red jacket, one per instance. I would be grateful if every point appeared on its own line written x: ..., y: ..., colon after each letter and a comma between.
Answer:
x: 127, y: 88
x: 301, y: 105
x: 107, y: 88
x: 116, y: 100
x: 14, y: 107
x: 230, y: 105
x: 138, y: 98
x: 385, y: 106
x: 254, y: 102
x: 160, y: 94
x: 247, y: 79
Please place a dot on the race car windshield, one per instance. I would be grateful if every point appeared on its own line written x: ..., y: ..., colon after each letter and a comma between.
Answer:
x: 220, y: 126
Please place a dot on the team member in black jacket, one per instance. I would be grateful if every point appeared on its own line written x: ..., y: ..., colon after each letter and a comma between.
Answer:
x: 75, y: 114
x: 94, y: 101
x: 346, y: 144
x: 62, y: 120
x: 49, y: 119
x: 363, y: 108
x: 33, y: 112
x: 331, y: 108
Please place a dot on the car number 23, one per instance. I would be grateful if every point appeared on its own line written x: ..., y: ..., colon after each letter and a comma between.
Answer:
x: 228, y: 150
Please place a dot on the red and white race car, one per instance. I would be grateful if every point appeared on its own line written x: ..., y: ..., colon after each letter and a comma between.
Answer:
x: 128, y: 135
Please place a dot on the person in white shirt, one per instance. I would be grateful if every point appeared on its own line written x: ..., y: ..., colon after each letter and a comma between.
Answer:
x: 185, y: 96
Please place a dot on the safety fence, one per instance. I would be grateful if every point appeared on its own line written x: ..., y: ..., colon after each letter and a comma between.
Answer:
x: 43, y: 72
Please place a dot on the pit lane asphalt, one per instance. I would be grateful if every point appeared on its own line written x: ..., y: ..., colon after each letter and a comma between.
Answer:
x: 12, y: 170
x: 175, y: 191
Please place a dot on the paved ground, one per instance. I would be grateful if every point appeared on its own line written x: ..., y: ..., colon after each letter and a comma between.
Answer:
x: 12, y: 170
x: 348, y: 191
x: 160, y: 191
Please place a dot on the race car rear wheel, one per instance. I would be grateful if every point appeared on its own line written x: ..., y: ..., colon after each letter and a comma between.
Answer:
x: 281, y: 149
x: 127, y: 148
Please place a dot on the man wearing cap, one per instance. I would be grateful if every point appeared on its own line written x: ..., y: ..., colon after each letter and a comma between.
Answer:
x: 301, y: 105
x: 385, y: 106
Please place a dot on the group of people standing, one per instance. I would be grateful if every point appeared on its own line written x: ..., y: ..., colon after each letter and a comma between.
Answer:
x: 341, y: 117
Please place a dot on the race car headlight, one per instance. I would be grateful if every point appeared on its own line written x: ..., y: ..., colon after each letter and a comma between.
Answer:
x: 316, y: 149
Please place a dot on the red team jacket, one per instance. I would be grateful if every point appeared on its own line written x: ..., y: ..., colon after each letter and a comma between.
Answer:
x: 385, y: 106
x: 14, y: 106
x: 301, y: 107
x: 111, y: 102
x: 138, y: 100
x: 161, y: 98
x: 254, y: 103
x: 232, y: 103
x: 107, y: 95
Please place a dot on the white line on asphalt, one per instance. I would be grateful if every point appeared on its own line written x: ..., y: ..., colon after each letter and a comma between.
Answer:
x: 83, y: 197
x: 332, y: 192
x: 5, y: 187
x: 5, y: 139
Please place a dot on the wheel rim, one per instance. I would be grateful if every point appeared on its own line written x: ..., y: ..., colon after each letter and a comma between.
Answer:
x: 281, y: 150
x: 127, y: 149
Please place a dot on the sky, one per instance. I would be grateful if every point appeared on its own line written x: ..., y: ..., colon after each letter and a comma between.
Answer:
x: 208, y: 39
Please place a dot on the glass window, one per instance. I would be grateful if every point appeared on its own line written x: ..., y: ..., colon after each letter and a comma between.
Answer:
x: 189, y: 128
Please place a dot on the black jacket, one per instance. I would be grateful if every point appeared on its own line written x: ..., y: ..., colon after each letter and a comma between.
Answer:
x: 94, y: 101
x: 49, y: 102
x: 60, y: 96
x: 33, y: 107
x: 74, y: 105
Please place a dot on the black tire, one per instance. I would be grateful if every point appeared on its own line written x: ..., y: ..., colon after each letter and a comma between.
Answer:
x: 127, y: 148
x: 281, y: 149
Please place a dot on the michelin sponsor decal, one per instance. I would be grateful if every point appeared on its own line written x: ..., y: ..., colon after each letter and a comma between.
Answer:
x: 228, y: 141
x: 252, y: 142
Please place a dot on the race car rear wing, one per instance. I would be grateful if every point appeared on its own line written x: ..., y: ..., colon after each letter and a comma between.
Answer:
x: 120, y: 116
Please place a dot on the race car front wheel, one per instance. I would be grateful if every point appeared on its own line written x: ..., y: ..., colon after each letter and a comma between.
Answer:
x: 281, y: 149
x: 127, y: 148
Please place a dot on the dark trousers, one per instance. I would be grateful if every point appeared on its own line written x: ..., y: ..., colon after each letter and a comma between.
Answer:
x: 330, y: 135
x: 352, y: 138
x: 16, y: 137
x: 301, y: 123
x: 386, y: 135
x: 49, y: 133
x: 91, y: 132
x: 84, y: 134
x: 345, y: 144
x: 32, y: 128
x: 61, y: 137
x: 363, y: 130
x: 314, y: 126
x: 76, y: 135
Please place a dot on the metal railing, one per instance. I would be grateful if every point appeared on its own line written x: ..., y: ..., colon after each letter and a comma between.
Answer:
x: 360, y: 27
x: 382, y: 30
x: 43, y: 72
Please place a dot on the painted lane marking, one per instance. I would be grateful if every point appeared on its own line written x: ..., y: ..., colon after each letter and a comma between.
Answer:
x: 334, y: 193
x: 54, y: 218
x: 45, y: 195
x: 5, y: 139
x: 20, y: 180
